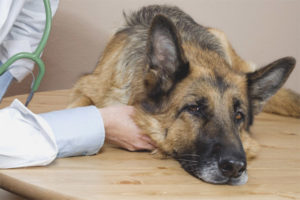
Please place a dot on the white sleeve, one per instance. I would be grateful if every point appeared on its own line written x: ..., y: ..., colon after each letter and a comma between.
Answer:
x: 9, y: 11
x: 78, y: 131
x: 25, y: 138
x: 25, y: 35
x: 28, y: 139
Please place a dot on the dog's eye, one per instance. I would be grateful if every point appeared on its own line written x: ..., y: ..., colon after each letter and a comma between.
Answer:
x: 194, y: 108
x: 197, y: 110
x: 239, y: 117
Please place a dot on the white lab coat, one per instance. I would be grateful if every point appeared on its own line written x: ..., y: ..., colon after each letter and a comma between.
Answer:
x: 22, y: 25
x: 27, y: 139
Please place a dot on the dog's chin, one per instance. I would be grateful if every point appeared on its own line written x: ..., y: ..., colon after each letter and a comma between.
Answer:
x: 212, y: 174
x: 241, y: 180
x: 225, y: 180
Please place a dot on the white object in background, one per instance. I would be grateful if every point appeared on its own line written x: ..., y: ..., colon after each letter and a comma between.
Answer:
x: 9, y: 11
x: 21, y: 29
x: 4, y: 10
x: 26, y: 139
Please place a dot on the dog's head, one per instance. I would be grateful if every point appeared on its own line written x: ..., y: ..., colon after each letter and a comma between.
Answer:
x: 195, y: 105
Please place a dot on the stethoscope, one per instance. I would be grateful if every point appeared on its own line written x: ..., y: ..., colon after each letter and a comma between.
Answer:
x: 35, y: 56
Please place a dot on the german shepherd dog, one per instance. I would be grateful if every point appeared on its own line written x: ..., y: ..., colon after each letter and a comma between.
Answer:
x: 194, y: 96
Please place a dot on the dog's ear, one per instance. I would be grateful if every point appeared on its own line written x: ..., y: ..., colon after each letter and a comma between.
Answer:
x: 265, y: 82
x: 166, y: 61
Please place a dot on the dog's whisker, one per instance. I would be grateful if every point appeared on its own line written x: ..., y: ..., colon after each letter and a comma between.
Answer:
x: 193, y: 161
x: 192, y: 155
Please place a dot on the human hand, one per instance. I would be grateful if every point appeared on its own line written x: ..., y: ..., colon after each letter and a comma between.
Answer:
x: 121, y: 130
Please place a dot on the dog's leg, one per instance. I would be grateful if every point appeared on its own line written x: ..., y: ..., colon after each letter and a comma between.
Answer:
x: 284, y: 102
x: 80, y: 101
x: 251, y: 147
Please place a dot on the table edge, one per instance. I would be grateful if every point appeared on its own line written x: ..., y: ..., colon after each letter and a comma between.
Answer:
x: 30, y: 191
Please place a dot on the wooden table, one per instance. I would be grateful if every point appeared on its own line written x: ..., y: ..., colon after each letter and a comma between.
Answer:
x: 118, y: 174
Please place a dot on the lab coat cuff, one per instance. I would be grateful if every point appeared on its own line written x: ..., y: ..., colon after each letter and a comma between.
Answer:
x: 26, y: 139
x: 78, y: 131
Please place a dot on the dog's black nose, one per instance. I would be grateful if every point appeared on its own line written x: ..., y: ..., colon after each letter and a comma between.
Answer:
x: 232, y: 168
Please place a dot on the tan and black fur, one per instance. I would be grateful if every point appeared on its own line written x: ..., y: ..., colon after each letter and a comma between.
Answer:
x: 194, y: 96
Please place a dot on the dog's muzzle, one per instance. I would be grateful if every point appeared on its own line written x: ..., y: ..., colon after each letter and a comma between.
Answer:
x: 225, y: 171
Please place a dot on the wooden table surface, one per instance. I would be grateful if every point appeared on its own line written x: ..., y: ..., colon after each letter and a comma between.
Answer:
x: 118, y: 174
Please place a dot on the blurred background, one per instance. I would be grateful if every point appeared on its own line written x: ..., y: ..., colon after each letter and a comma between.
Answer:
x: 260, y: 31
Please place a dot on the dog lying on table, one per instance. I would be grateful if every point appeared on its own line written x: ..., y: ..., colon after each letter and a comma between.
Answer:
x: 194, y: 96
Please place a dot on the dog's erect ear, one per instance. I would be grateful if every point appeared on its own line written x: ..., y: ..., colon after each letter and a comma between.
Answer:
x: 166, y: 62
x: 265, y: 82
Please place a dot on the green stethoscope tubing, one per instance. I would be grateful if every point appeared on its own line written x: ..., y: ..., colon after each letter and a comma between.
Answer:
x: 35, y: 56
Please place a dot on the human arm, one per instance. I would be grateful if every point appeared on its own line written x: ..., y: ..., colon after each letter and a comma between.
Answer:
x: 28, y: 139
x: 82, y: 130
x: 122, y: 131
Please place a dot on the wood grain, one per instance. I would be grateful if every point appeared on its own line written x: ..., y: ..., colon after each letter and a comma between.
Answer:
x: 118, y: 174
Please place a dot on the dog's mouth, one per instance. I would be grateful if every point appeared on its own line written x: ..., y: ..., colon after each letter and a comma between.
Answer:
x: 210, y: 172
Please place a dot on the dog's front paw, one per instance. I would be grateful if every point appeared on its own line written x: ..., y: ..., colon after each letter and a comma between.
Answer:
x: 158, y: 154
x: 251, y: 146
